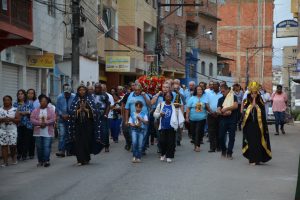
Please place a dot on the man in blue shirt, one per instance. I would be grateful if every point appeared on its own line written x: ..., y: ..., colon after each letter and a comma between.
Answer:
x: 213, y: 118
x: 63, y: 103
x: 177, y: 82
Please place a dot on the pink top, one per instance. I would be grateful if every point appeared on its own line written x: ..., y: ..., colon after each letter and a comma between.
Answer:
x: 50, y: 121
x: 279, y: 102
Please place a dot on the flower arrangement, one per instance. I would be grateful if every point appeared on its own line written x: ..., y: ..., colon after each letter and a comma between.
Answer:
x: 151, y: 84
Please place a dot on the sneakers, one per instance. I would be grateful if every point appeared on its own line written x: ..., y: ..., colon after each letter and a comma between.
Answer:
x: 282, y: 131
x: 4, y: 165
x: 60, y: 154
x: 47, y: 164
x: 169, y: 160
x: 136, y: 160
x: 162, y: 158
x: 133, y: 160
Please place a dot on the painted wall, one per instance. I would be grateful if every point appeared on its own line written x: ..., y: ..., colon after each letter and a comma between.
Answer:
x: 48, y: 31
x: 89, y: 70
x: 207, y: 58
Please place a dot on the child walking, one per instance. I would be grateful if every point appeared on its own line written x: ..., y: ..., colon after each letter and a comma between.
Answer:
x: 137, y: 122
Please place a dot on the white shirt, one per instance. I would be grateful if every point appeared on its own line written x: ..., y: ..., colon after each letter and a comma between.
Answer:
x: 11, y: 113
x: 44, y: 131
x: 112, y: 102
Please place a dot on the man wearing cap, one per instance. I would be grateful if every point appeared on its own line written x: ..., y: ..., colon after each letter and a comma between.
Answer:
x: 63, y: 103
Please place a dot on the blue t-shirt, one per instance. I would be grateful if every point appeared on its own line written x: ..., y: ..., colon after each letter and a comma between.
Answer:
x: 197, y: 108
x: 213, y: 99
x: 132, y: 99
x: 166, y: 120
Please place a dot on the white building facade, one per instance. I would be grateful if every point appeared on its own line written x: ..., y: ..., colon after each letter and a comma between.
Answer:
x: 15, y: 71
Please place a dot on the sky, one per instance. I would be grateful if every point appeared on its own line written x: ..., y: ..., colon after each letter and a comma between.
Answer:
x: 282, y: 12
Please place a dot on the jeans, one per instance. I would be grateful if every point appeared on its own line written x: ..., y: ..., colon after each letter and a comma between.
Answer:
x: 146, y: 138
x: 137, y: 136
x: 227, y: 127
x: 61, y: 136
x: 279, y: 120
x: 43, y: 147
x: 197, y: 128
x: 114, y: 125
x: 167, y: 142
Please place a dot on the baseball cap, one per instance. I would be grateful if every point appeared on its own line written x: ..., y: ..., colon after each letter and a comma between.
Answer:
x: 67, y: 89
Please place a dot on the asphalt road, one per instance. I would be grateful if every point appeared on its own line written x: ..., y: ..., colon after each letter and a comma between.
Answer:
x: 192, y: 176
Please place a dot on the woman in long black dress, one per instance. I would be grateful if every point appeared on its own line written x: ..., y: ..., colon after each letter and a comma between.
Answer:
x: 256, y: 141
x: 84, y: 136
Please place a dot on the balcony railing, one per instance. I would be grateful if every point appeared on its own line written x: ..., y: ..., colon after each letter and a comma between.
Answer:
x: 17, y: 13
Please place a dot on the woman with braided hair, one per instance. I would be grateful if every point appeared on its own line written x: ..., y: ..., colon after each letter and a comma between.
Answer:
x: 256, y: 142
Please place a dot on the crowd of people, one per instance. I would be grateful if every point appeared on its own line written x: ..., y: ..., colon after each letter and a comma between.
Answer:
x: 86, y: 120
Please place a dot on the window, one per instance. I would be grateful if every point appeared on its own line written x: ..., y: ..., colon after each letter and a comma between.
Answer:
x: 203, y: 68
x: 180, y: 10
x: 179, y: 48
x: 51, y: 8
x: 167, y: 8
x: 166, y: 45
x: 139, y: 36
x: 211, y: 34
x: 211, y: 69
x: 203, y: 30
x: 4, y: 5
x: 154, y: 4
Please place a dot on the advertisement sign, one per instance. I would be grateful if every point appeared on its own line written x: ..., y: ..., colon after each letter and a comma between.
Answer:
x: 287, y: 28
x: 117, y: 64
x: 41, y: 61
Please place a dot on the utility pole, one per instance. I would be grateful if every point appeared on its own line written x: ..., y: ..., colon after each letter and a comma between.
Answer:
x: 75, y: 42
x: 158, y: 46
x: 247, y: 60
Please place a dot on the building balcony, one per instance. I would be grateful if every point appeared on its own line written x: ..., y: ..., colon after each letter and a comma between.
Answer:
x: 15, y: 23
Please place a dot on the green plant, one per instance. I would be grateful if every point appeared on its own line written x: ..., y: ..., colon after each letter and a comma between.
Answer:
x: 295, y: 114
x: 298, y: 118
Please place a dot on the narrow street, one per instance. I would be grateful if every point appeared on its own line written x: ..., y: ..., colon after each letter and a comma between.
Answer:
x: 191, y: 176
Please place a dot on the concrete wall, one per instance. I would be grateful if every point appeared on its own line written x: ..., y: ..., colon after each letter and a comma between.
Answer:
x: 207, y: 58
x: 48, y: 31
x: 89, y: 70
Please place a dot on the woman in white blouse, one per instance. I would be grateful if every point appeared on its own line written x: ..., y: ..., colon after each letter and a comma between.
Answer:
x: 9, y: 118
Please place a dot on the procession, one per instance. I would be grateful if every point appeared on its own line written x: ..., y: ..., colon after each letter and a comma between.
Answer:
x: 149, y: 99
x: 87, y: 118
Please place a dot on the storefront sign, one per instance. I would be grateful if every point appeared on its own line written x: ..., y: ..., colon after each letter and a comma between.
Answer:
x: 117, y: 64
x: 287, y: 28
x: 41, y: 61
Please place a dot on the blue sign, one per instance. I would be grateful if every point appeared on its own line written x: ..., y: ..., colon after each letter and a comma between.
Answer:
x: 287, y: 28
